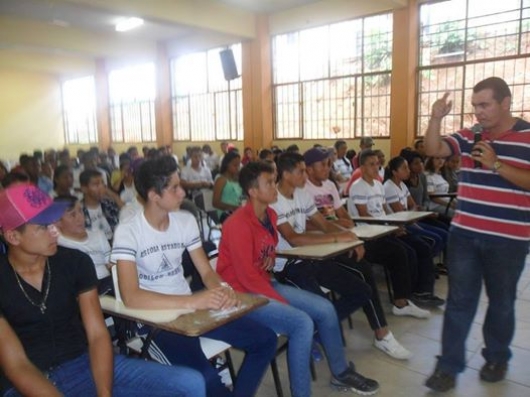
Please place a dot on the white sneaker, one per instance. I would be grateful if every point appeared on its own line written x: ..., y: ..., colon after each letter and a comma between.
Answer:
x: 411, y: 310
x: 392, y: 347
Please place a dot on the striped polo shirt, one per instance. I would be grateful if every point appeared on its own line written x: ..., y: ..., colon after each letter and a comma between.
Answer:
x: 488, y: 203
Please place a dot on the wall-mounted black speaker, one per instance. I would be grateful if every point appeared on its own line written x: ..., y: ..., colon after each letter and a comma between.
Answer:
x: 229, y: 64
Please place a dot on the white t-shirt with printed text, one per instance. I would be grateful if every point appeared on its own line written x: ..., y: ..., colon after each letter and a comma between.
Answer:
x: 99, y: 222
x: 326, y: 198
x: 158, y: 254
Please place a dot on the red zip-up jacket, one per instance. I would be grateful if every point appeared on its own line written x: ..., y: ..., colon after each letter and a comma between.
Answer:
x: 245, y: 244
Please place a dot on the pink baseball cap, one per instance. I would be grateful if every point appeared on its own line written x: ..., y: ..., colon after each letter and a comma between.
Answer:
x: 25, y: 203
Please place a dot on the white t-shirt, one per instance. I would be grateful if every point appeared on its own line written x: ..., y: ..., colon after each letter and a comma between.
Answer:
x: 129, y: 210
x: 294, y: 211
x: 128, y: 194
x: 96, y: 246
x: 211, y: 161
x: 326, y: 198
x: 99, y: 222
x: 343, y: 166
x: 436, y: 184
x: 190, y: 174
x: 373, y: 196
x: 394, y: 194
x: 158, y: 254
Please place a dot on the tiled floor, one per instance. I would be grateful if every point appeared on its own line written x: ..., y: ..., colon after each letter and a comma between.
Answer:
x: 406, y: 378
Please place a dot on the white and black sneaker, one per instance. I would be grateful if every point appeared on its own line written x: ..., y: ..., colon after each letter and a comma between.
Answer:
x: 350, y: 380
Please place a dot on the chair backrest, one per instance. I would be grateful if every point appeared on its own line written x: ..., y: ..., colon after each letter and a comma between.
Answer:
x: 114, y: 272
x: 204, y: 200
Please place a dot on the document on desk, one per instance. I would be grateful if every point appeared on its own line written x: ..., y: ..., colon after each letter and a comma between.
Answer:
x: 151, y: 315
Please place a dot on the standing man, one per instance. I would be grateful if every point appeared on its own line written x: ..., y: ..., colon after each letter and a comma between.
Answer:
x: 490, y: 231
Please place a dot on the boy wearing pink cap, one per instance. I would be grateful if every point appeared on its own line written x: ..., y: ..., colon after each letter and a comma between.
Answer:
x: 53, y: 340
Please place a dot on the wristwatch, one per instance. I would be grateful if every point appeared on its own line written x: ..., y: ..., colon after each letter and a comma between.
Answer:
x: 496, y: 166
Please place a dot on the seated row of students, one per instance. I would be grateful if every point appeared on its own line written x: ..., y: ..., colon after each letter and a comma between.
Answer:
x: 53, y: 339
x: 158, y: 194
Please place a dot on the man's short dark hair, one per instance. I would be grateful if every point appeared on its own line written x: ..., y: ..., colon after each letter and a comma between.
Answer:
x: 339, y: 143
x: 249, y: 174
x: 154, y: 174
x: 497, y: 85
x: 87, y: 175
x: 264, y: 153
x: 287, y: 162
x: 365, y: 155
x: 292, y: 148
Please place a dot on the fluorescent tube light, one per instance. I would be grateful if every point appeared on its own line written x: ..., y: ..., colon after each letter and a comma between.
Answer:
x: 125, y: 24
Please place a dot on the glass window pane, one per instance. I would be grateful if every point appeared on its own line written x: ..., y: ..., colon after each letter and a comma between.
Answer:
x: 202, y: 108
x: 79, y: 110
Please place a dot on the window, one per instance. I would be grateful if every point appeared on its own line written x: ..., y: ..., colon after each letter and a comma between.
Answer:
x: 79, y: 110
x: 206, y: 107
x: 465, y: 41
x: 132, y: 104
x: 333, y: 81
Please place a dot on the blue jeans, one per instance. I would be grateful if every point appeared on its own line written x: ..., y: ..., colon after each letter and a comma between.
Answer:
x: 132, y: 378
x: 497, y: 261
x: 258, y: 343
x: 296, y: 322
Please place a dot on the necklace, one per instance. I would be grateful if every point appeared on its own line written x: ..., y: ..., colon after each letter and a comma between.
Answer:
x: 42, y: 305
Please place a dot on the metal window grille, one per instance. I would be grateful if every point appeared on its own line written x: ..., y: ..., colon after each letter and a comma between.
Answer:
x: 132, y: 104
x: 333, y: 81
x: 206, y: 107
x: 465, y: 41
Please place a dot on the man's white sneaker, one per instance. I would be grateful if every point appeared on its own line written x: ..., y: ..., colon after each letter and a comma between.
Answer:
x: 392, y: 347
x: 411, y: 310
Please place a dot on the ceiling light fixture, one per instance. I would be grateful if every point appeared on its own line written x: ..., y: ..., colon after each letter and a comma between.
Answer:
x: 125, y: 24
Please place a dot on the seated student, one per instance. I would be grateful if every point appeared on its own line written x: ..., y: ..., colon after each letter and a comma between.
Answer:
x: 53, y: 340
x: 394, y: 256
x: 227, y: 193
x: 246, y: 255
x: 367, y: 198
x: 117, y: 175
x: 148, y: 251
x: 266, y: 154
x: 210, y: 158
x: 450, y: 171
x: 196, y: 176
x: 398, y: 199
x: 74, y: 235
x: 326, y: 198
x: 436, y: 184
x: 293, y: 207
x: 342, y: 164
x: 63, y: 182
x: 101, y: 206
x: 89, y: 161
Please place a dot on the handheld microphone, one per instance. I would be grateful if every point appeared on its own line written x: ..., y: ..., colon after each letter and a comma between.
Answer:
x: 477, y: 137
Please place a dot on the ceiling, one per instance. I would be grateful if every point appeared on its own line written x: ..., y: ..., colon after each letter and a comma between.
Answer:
x: 66, y: 37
